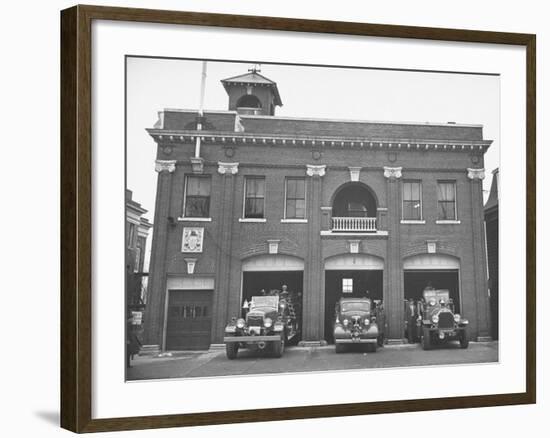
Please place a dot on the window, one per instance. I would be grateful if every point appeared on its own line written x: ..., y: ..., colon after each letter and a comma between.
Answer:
x: 254, y: 192
x: 197, y: 196
x: 347, y: 285
x: 131, y: 235
x: 412, y: 200
x: 295, y: 200
x: 137, y: 259
x: 446, y: 200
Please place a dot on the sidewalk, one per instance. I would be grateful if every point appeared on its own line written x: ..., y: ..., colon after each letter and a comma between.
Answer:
x: 186, y: 364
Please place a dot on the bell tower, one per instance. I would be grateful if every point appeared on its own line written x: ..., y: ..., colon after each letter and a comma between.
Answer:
x: 252, y: 93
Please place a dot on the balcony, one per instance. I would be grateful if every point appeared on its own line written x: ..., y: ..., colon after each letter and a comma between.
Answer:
x: 353, y: 224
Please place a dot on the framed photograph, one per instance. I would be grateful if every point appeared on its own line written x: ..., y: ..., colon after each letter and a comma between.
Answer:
x: 257, y: 203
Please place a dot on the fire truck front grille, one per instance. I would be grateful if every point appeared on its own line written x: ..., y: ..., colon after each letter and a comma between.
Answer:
x: 255, y: 320
x: 446, y: 320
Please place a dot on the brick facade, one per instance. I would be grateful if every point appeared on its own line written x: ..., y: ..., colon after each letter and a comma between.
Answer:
x: 385, y: 155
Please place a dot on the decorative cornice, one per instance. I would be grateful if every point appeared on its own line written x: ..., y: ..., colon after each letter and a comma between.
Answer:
x: 354, y: 173
x: 316, y: 170
x: 228, y: 168
x: 476, y: 173
x: 165, y: 166
x: 392, y: 172
x: 241, y: 138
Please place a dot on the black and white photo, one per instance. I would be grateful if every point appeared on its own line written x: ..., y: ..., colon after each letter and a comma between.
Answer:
x: 287, y: 218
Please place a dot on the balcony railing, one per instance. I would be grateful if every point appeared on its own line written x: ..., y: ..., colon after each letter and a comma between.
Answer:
x: 354, y: 224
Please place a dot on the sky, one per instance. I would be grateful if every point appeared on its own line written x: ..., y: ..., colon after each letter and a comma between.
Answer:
x: 306, y: 91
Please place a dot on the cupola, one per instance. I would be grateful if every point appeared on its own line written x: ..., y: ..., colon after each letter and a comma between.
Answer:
x: 252, y: 93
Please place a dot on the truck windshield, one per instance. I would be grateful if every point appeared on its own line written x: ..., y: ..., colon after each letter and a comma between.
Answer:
x: 436, y: 294
x: 271, y: 301
x: 363, y: 306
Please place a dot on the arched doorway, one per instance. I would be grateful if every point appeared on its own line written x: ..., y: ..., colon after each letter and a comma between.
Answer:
x: 351, y: 275
x: 354, y: 209
x: 272, y: 271
x: 440, y: 271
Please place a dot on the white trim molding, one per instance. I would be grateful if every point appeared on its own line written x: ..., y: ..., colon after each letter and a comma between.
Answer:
x: 194, y: 219
x: 316, y: 170
x: 165, y: 166
x: 447, y: 222
x: 377, y: 234
x: 228, y: 168
x: 413, y: 222
x: 294, y: 221
x: 476, y: 173
x: 354, y: 173
x: 392, y: 172
x: 252, y: 220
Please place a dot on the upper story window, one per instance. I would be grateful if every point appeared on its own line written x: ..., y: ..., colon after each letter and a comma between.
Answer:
x: 137, y: 261
x: 197, y: 196
x: 131, y: 235
x: 446, y: 200
x: 412, y: 200
x: 254, y: 197
x: 295, y: 198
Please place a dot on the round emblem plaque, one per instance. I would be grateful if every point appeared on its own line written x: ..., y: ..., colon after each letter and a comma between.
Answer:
x: 229, y: 152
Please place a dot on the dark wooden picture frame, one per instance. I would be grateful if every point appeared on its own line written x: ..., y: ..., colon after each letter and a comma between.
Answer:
x: 76, y: 217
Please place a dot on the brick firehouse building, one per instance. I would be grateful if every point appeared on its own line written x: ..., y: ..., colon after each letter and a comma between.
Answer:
x: 247, y: 200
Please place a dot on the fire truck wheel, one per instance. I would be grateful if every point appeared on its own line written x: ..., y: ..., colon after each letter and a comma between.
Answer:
x: 464, y: 340
x: 231, y: 349
x: 279, y: 347
x: 426, y: 340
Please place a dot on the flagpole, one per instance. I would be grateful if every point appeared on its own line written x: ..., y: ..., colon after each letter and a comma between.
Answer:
x: 201, y: 107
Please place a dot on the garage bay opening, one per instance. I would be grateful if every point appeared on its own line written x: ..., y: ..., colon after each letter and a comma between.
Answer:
x: 417, y: 280
x: 267, y: 282
x: 348, y: 284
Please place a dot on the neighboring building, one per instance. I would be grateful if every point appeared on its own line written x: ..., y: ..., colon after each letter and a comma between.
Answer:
x: 137, y: 231
x: 491, y: 230
x: 327, y: 207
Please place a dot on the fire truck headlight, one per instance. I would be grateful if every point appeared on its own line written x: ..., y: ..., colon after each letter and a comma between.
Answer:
x: 268, y: 322
x: 457, y: 317
x: 240, y: 323
x: 346, y: 322
x: 435, y: 319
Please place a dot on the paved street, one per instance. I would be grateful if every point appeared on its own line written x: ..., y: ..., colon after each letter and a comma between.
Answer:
x: 300, y: 359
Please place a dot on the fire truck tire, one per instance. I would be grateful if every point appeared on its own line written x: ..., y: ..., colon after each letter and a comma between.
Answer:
x: 279, y: 347
x: 231, y: 350
x: 464, y: 340
x: 426, y: 340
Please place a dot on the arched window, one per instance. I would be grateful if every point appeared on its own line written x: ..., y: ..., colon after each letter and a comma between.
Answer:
x: 249, y: 101
x: 354, y: 200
